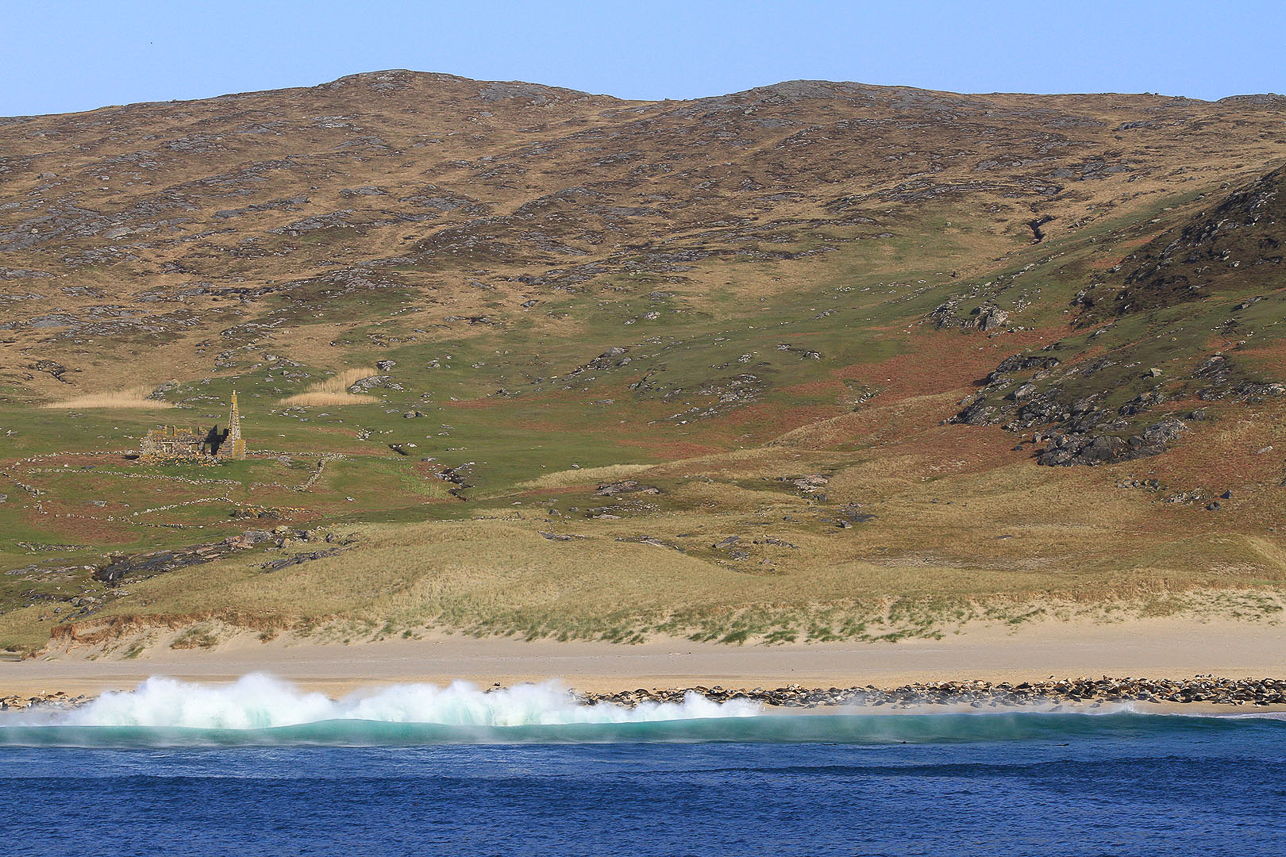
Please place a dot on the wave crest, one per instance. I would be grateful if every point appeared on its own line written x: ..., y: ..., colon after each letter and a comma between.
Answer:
x: 259, y: 701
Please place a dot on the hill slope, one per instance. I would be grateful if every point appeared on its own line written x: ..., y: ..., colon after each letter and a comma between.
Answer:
x: 571, y: 365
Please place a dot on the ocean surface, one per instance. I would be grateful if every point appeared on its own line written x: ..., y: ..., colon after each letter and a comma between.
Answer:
x: 259, y: 767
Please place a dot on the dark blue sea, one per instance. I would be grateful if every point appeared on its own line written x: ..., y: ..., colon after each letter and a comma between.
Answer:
x: 259, y: 768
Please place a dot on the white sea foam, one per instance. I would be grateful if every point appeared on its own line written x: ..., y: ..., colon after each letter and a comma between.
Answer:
x: 259, y: 701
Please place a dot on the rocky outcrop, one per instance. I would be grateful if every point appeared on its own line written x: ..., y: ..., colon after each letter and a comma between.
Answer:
x: 1073, y: 448
x: 1238, y: 245
x: 365, y: 385
x: 624, y: 486
x: 298, y: 559
x: 144, y: 565
x: 1078, y: 427
x: 987, y: 317
x: 1221, y: 378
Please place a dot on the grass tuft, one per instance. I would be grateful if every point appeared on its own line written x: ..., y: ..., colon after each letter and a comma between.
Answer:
x: 334, y: 391
x: 134, y: 397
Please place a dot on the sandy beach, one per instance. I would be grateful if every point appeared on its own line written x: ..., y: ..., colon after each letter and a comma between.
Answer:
x: 1151, y: 648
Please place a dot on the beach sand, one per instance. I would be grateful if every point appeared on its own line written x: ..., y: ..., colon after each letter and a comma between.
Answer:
x: 1147, y: 648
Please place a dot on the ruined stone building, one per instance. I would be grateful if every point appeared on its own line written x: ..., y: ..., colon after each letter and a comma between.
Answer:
x: 175, y: 443
x: 232, y: 436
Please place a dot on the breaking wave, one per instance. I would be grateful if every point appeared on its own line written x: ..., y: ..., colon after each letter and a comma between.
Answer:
x: 259, y: 710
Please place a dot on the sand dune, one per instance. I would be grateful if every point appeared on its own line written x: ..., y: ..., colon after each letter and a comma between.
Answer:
x: 1154, y: 648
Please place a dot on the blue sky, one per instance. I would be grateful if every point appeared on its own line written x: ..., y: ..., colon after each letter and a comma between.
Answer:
x: 76, y: 55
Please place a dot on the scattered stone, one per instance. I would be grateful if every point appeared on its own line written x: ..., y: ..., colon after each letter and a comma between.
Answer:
x: 249, y: 538
x: 158, y: 393
x: 990, y: 318
x: 365, y: 385
x: 624, y: 486
x: 655, y: 542
x: 259, y: 513
x: 298, y: 559
x: 811, y: 484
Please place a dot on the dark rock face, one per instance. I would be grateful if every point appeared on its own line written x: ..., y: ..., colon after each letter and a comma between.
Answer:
x: 159, y: 562
x: 1241, y: 242
x: 1038, y: 234
x: 1225, y: 381
x: 1037, y: 391
x: 1025, y: 392
x: 1023, y: 363
x: 1094, y: 409
x: 1073, y: 448
x: 987, y: 317
x: 142, y: 566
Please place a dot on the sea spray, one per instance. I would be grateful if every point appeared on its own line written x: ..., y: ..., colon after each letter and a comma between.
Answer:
x: 259, y: 701
x: 262, y: 711
x: 254, y: 701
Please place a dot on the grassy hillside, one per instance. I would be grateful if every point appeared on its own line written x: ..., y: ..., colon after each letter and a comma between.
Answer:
x: 795, y: 363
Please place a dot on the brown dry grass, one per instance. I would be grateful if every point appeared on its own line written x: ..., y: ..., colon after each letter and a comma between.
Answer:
x: 133, y: 398
x: 334, y: 391
x: 1006, y: 544
x: 1245, y: 141
x: 582, y: 476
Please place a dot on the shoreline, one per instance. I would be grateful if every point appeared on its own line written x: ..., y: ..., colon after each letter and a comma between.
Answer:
x: 1162, y: 648
x: 1204, y: 697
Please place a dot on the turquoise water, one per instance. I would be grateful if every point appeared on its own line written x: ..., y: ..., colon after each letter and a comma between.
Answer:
x: 852, y: 728
x: 259, y: 768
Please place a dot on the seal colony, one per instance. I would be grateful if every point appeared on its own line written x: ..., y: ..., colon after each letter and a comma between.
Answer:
x: 977, y: 694
x: 1210, y: 690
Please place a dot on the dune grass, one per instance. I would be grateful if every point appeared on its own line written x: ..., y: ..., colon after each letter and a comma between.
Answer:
x: 1026, y: 547
x: 965, y: 527
x: 334, y: 391
x: 132, y: 398
x: 582, y: 476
